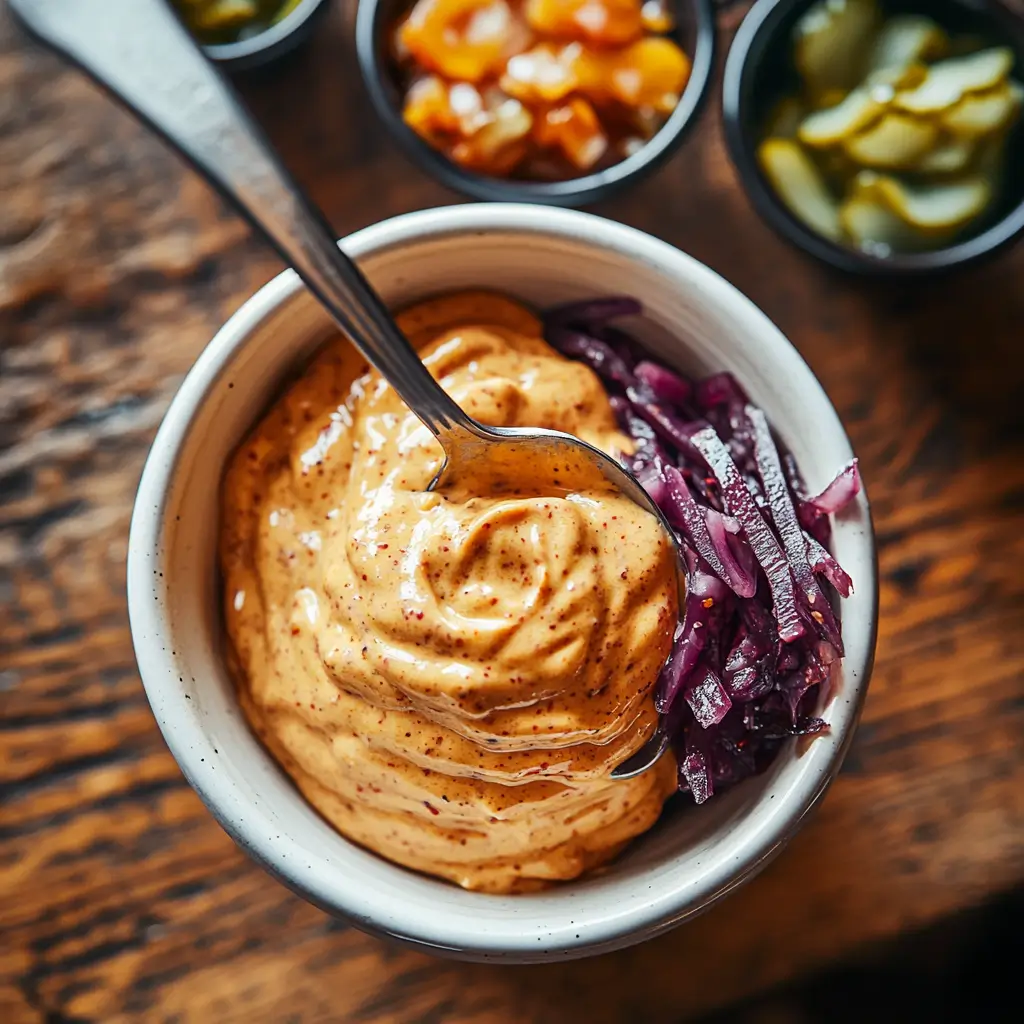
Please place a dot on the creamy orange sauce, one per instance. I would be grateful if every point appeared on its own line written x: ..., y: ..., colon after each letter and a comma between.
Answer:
x: 448, y: 678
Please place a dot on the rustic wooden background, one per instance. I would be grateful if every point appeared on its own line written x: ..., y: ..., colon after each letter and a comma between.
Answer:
x: 121, y: 899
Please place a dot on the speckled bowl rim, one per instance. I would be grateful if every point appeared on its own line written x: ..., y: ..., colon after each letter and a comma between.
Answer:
x: 584, y: 922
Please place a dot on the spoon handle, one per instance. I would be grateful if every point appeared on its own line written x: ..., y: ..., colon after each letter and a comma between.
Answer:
x: 139, y: 51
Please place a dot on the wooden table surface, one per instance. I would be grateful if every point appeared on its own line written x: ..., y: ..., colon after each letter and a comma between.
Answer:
x: 121, y: 899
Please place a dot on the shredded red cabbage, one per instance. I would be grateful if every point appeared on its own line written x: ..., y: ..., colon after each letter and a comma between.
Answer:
x: 705, y: 529
x: 596, y: 353
x: 840, y: 492
x: 666, y: 385
x: 752, y: 656
x: 821, y: 561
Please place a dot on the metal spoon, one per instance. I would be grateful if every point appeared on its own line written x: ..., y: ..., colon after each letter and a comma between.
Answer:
x: 139, y: 51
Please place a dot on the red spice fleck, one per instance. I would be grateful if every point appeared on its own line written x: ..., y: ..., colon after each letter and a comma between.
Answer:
x: 433, y: 810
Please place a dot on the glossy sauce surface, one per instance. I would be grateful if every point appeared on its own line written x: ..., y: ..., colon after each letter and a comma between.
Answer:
x: 448, y: 678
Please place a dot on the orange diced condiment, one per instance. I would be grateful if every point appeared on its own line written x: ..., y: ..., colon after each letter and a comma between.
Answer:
x: 544, y: 74
x: 607, y: 22
x: 500, y: 141
x: 427, y: 109
x: 573, y: 128
x: 656, y: 16
x: 651, y: 72
x: 461, y: 39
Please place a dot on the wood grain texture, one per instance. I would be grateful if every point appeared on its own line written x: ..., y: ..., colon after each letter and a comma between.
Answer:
x: 120, y: 899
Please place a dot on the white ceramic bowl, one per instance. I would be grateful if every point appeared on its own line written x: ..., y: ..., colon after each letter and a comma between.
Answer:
x: 694, y: 320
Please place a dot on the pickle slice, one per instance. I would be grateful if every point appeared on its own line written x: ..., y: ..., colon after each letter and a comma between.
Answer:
x: 871, y: 226
x: 800, y: 186
x: 938, y: 208
x: 985, y: 112
x: 830, y: 42
x: 909, y: 76
x: 947, y: 157
x: 907, y: 39
x: 221, y: 15
x: 861, y: 108
x: 896, y: 142
x: 950, y: 80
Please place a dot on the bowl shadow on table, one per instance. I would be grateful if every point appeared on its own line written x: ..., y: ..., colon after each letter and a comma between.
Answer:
x: 961, y: 969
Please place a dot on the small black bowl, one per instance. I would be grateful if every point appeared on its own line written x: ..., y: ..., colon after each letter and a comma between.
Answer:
x: 277, y: 41
x: 759, y: 71
x: 695, y: 32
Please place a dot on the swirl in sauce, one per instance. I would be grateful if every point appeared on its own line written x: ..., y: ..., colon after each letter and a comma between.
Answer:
x: 449, y: 678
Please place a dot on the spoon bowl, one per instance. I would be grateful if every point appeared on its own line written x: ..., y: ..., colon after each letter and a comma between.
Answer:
x: 502, y: 457
x: 559, y: 461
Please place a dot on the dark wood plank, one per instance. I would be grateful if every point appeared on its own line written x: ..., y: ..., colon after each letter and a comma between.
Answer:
x: 121, y: 899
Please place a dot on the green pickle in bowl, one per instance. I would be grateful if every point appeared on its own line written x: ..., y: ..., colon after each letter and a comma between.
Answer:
x: 895, y: 140
x: 229, y: 21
